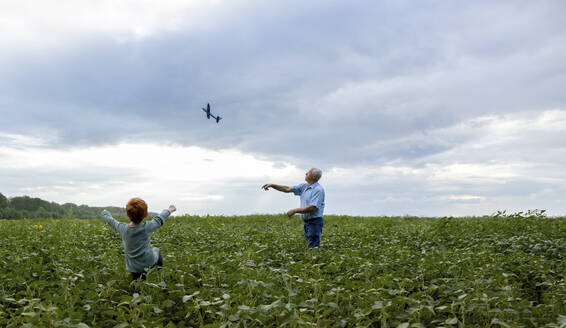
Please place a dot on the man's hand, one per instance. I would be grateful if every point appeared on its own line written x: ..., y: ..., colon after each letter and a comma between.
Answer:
x: 172, y: 208
x: 306, y: 209
x: 266, y: 186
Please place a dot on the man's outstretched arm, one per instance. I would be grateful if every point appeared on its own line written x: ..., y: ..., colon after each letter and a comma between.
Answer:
x: 306, y: 209
x: 276, y: 187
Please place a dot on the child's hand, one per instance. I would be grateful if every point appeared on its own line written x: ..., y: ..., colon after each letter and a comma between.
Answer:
x: 172, y: 208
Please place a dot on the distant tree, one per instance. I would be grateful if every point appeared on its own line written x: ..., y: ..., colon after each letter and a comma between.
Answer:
x: 26, y: 203
x: 11, y: 213
x: 41, y: 213
x: 69, y: 211
x: 3, y: 201
x: 28, y: 207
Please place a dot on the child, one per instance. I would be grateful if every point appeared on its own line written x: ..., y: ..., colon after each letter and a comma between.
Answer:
x: 135, y: 236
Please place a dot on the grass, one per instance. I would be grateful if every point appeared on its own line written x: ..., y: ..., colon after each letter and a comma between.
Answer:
x: 255, y: 271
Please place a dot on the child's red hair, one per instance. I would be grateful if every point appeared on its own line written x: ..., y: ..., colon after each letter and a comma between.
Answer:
x: 136, y: 210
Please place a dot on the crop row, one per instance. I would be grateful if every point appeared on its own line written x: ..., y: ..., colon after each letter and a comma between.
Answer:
x: 255, y: 271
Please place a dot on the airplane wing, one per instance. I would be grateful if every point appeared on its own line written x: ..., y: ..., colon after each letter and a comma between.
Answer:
x: 209, y: 114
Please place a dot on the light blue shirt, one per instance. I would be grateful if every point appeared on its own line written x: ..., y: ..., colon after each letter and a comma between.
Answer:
x: 313, y: 195
x: 137, y: 248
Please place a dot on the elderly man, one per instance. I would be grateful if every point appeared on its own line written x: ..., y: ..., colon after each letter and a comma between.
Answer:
x: 312, y: 204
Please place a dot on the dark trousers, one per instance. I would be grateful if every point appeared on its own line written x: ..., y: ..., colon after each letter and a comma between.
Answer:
x: 313, y: 231
x: 142, y: 275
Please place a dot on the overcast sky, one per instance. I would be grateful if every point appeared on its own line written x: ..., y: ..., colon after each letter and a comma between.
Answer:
x: 409, y: 107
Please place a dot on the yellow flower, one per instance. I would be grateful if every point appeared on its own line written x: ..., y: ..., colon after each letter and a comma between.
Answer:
x: 74, y: 225
x: 35, y: 226
x: 222, y: 224
x: 40, y: 226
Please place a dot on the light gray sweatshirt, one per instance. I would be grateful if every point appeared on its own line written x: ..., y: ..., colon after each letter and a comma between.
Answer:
x: 137, y: 247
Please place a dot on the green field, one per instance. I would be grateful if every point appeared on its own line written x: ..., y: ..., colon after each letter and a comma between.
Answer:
x: 255, y: 271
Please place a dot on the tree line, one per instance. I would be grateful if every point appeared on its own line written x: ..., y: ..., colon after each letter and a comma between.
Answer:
x: 22, y: 207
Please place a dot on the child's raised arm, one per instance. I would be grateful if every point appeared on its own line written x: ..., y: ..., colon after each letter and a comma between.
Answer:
x: 160, y: 219
x: 110, y: 220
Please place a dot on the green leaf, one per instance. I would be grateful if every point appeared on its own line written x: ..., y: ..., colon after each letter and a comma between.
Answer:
x: 496, y: 321
x: 188, y: 297
x: 122, y: 325
x: 167, y: 304
x: 451, y: 321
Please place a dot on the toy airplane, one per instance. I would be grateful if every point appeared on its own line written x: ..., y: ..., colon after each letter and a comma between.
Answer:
x: 208, y: 114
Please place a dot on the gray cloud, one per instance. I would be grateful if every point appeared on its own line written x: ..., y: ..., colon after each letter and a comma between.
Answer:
x: 326, y: 79
x: 357, y: 84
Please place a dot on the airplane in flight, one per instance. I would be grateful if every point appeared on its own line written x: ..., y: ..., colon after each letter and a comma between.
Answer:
x: 208, y: 114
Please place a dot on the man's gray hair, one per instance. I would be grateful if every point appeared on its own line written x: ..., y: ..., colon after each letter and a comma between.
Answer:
x: 316, y: 173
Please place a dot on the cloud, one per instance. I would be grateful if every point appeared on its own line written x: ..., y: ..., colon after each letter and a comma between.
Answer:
x: 196, y: 179
x: 433, y: 101
x: 199, y: 198
x: 490, y: 163
x: 18, y: 140
x: 35, y: 24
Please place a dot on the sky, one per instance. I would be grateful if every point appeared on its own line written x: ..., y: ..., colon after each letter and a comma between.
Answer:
x: 429, y: 108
